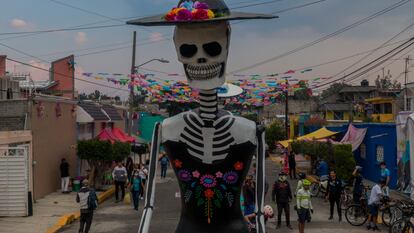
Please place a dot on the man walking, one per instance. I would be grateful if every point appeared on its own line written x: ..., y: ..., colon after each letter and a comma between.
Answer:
x: 119, y: 175
x: 164, y: 165
x: 282, y: 195
x: 334, y: 194
x: 64, y: 174
x: 303, y: 205
x: 88, y: 202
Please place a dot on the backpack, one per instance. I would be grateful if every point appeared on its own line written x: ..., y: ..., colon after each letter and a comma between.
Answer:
x: 92, y: 200
x: 164, y: 161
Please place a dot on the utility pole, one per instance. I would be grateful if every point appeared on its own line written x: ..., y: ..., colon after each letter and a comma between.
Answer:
x: 407, y: 60
x: 131, y: 93
x: 287, y: 109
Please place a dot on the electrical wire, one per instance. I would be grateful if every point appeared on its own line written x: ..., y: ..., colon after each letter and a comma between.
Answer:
x: 324, y: 38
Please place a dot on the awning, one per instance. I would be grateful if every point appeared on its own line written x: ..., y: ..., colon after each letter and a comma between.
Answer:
x: 114, y: 135
x: 354, y: 136
x: 316, y: 135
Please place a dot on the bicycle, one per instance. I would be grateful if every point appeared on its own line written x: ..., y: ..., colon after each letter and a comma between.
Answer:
x: 391, y: 211
x: 357, y: 214
x: 346, y: 198
x: 404, y: 225
x: 319, y: 186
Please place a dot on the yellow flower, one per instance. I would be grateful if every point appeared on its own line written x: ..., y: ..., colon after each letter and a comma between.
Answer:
x: 210, y: 14
x: 176, y: 10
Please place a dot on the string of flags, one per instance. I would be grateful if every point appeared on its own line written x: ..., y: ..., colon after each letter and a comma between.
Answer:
x: 259, y: 90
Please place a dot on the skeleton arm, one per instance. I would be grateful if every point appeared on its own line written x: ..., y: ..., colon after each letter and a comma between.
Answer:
x: 150, y: 190
x: 260, y: 175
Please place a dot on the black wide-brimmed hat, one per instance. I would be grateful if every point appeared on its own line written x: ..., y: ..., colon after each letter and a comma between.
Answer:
x: 217, y: 11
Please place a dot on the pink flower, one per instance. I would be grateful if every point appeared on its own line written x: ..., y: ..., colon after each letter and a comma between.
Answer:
x: 200, y: 5
x: 219, y: 174
x: 183, y: 15
x: 208, y: 181
x: 196, y: 174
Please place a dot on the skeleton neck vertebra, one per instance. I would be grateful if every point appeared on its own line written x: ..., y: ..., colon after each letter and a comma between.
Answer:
x: 208, y: 104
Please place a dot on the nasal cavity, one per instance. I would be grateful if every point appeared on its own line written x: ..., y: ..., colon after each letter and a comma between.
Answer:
x: 202, y: 60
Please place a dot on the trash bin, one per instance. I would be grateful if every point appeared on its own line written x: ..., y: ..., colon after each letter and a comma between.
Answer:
x: 76, y: 186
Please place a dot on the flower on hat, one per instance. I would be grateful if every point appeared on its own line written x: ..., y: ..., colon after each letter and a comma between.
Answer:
x: 183, y: 15
x: 210, y: 14
x: 201, y: 5
x: 199, y: 14
x: 187, y: 4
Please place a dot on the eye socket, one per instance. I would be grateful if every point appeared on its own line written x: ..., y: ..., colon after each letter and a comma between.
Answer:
x: 188, y: 50
x: 213, y: 49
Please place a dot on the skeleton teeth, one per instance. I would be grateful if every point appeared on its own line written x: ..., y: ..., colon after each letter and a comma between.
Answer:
x: 203, y: 72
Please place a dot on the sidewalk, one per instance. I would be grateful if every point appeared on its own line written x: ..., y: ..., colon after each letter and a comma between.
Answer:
x: 46, y: 213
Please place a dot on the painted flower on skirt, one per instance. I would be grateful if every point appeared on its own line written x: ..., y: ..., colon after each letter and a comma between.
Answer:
x: 210, y: 14
x: 230, y: 177
x: 238, y: 166
x: 178, y: 163
x: 199, y: 14
x: 183, y: 15
x: 184, y: 175
x: 196, y: 174
x: 219, y: 174
x: 209, y: 193
x: 208, y: 181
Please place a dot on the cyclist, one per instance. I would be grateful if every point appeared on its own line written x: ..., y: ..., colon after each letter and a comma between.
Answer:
x: 250, y: 218
x: 303, y: 205
x: 374, y: 203
x: 301, y: 176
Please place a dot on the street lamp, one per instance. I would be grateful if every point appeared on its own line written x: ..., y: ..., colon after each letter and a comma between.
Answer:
x: 131, y: 97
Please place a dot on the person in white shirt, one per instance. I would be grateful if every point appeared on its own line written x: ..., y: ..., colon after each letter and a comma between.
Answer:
x: 303, y: 205
x: 374, y: 203
x: 120, y: 176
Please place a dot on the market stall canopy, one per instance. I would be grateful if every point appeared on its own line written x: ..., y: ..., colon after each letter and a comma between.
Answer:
x: 354, y: 136
x: 114, y: 135
x: 316, y: 135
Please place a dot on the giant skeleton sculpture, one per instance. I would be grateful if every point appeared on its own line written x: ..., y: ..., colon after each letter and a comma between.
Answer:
x: 210, y: 149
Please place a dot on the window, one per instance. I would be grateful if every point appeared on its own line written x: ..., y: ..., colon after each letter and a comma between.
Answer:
x: 377, y: 108
x: 363, y: 151
x: 387, y: 108
x: 408, y: 104
x: 380, y: 153
x: 338, y: 115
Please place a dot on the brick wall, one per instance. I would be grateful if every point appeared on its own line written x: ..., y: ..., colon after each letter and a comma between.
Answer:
x: 2, y: 65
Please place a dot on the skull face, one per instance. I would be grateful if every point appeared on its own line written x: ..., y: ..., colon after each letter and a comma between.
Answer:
x: 203, y: 49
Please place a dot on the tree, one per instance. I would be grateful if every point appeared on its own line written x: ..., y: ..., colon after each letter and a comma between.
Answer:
x: 97, y: 94
x: 251, y: 116
x: 275, y: 132
x: 99, y: 155
x: 333, y: 89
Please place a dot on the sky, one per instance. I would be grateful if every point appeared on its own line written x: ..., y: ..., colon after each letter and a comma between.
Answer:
x: 251, y: 41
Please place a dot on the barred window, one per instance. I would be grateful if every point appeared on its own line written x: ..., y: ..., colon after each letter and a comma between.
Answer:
x: 380, y: 153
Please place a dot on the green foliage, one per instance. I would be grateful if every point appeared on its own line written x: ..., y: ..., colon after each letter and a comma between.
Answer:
x: 251, y: 116
x: 95, y: 150
x: 344, y: 161
x: 275, y: 132
x: 314, y: 149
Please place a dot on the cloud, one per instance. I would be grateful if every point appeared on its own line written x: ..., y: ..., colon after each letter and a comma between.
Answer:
x: 81, y: 38
x: 19, y: 23
x: 38, y: 74
x: 156, y: 36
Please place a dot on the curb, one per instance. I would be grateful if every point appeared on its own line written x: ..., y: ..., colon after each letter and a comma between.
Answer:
x: 69, y: 218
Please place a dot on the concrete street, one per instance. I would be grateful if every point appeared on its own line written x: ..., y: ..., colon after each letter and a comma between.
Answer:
x: 120, y: 218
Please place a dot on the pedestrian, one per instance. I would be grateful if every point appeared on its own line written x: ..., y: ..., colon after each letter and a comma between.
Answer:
x: 119, y: 175
x: 143, y: 173
x: 292, y: 165
x: 386, y: 175
x: 302, y: 177
x: 282, y: 195
x: 303, y: 205
x: 323, y: 169
x: 64, y: 175
x: 164, y: 165
x: 249, y: 190
x: 333, y: 194
x: 374, y: 202
x: 129, y: 167
x: 358, y: 186
x: 136, y: 186
x: 88, y: 202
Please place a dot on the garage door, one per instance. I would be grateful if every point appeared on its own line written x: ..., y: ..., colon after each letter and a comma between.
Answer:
x: 13, y: 181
